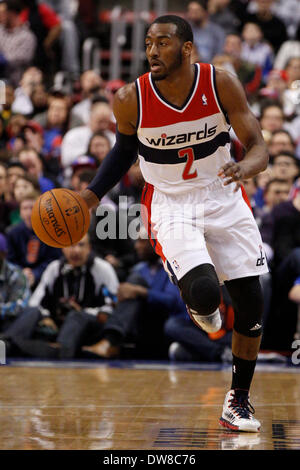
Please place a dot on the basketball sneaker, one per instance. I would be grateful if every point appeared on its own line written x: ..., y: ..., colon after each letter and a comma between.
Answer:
x: 209, y: 323
x: 238, y: 413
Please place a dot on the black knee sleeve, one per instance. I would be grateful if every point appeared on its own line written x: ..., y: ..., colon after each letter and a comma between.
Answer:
x: 200, y: 289
x: 247, y: 300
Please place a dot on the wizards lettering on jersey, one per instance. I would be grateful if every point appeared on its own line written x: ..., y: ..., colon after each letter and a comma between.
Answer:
x: 165, y: 140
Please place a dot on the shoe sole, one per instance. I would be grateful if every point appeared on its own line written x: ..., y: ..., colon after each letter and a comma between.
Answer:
x: 232, y: 427
x: 200, y: 326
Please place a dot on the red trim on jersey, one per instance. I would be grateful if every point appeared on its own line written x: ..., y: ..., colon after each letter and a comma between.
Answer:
x: 245, y: 197
x: 156, y: 113
x: 146, y: 200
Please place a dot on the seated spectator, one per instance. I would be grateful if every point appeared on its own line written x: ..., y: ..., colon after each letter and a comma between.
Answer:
x: 46, y: 26
x: 14, y: 289
x: 17, y: 43
x: 145, y: 301
x: 191, y: 343
x: 76, y: 141
x: 73, y: 301
x: 91, y: 85
x: 33, y: 163
x: 69, y: 37
x: 221, y: 14
x: 276, y: 191
x: 54, y: 121
x: 249, y: 74
x: 25, y: 249
x: 6, y: 108
x: 281, y: 232
x: 255, y: 50
x: 276, y: 84
x: 80, y: 165
x: 31, y: 78
x: 99, y: 146
x: 288, y: 49
x: 291, y: 96
x: 208, y: 36
x: 281, y: 141
x: 273, y: 28
x: 286, y: 167
x: 272, y: 117
x: 6, y: 204
x: 14, y: 133
x: 24, y: 185
x: 39, y: 100
x: 15, y: 169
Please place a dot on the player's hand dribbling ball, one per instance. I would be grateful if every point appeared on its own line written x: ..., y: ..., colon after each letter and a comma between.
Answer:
x: 60, y: 218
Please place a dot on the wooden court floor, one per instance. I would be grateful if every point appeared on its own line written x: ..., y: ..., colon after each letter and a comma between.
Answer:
x: 99, y: 407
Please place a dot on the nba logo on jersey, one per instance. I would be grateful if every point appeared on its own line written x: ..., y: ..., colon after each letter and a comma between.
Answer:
x: 204, y: 100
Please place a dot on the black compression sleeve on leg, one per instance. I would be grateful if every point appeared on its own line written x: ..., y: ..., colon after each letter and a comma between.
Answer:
x: 115, y: 165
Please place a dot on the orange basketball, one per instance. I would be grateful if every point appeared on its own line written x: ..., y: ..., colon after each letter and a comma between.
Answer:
x: 60, y: 217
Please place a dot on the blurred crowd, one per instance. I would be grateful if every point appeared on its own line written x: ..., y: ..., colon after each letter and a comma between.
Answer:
x: 110, y: 297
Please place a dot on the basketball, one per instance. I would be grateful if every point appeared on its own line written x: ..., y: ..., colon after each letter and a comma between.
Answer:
x: 60, y: 218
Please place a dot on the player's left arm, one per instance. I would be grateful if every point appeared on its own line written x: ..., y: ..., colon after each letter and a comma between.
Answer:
x: 246, y: 127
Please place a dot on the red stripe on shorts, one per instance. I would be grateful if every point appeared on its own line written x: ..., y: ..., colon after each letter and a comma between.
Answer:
x: 146, y: 200
x: 245, y: 197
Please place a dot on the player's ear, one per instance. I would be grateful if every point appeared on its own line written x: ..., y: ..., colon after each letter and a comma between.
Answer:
x: 187, y: 48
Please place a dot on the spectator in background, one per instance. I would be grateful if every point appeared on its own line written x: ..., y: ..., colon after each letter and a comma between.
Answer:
x: 208, y: 36
x: 288, y: 49
x: 286, y: 167
x: 6, y: 204
x: 81, y: 164
x: 17, y: 43
x: 6, y: 108
x: 283, y: 235
x: 221, y: 14
x: 190, y: 343
x: 33, y: 163
x: 24, y: 185
x: 289, y: 12
x: 46, y: 26
x: 91, y: 86
x: 145, y: 301
x: 99, y: 146
x: 54, y: 121
x: 281, y: 141
x: 272, y: 117
x: 15, y: 169
x: 39, y: 99
x: 276, y: 191
x: 14, y: 289
x: 25, y: 249
x: 76, y: 141
x: 255, y: 49
x: 276, y: 84
x: 74, y: 299
x: 273, y: 28
x: 249, y: 74
x: 69, y: 37
x: 31, y: 78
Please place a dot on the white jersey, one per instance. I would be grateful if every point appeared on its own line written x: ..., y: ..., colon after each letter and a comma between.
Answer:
x: 182, y: 148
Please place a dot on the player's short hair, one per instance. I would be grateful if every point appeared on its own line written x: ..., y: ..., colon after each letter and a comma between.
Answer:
x: 184, y: 30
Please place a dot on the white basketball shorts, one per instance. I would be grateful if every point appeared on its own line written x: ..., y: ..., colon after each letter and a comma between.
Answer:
x: 212, y: 225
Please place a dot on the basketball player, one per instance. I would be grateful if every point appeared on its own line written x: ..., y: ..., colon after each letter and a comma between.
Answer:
x: 177, y: 118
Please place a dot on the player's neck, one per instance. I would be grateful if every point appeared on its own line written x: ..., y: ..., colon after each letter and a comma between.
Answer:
x: 177, y: 86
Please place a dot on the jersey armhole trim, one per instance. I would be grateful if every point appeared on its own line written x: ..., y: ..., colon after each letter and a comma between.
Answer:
x: 139, y: 104
x: 217, y: 98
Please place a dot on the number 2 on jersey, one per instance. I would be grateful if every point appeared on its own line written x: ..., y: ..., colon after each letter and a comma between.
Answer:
x: 189, y: 153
